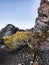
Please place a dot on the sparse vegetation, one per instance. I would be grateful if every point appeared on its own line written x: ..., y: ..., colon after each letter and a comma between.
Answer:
x: 33, y: 40
x: 18, y: 38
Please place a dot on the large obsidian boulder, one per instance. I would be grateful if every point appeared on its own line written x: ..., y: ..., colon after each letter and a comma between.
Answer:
x: 8, y: 30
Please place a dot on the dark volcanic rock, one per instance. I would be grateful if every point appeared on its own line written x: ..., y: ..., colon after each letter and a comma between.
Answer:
x: 8, y: 30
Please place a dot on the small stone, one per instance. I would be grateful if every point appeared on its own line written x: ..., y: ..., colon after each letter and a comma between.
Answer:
x: 19, y: 54
x: 23, y: 54
x: 23, y: 64
x: 26, y: 56
x: 2, y: 46
x: 47, y: 60
x: 19, y: 64
x: 31, y: 62
x: 37, y: 59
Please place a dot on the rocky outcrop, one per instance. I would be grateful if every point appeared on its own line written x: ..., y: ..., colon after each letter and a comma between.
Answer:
x: 40, y: 40
x: 8, y: 30
x: 42, y: 23
x: 43, y: 1
x: 43, y: 16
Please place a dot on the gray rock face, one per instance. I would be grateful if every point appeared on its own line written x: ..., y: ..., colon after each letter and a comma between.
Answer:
x: 44, y: 1
x: 43, y: 16
x: 42, y: 22
x: 8, y: 30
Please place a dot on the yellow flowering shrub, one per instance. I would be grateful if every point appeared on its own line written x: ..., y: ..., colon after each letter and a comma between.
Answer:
x: 17, y: 38
x: 23, y: 37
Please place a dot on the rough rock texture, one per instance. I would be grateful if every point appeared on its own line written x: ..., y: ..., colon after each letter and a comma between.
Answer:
x: 43, y: 1
x: 42, y: 21
x: 22, y: 58
x: 15, y: 58
x: 8, y: 30
x: 43, y: 16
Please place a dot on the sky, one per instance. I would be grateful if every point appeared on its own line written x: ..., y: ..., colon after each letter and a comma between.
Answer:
x: 21, y: 13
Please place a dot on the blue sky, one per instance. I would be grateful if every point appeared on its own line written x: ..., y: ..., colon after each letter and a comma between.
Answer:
x: 21, y: 13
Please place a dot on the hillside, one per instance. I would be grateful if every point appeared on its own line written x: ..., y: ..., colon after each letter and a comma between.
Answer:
x: 27, y: 47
